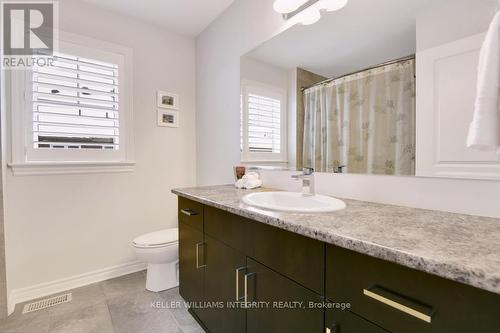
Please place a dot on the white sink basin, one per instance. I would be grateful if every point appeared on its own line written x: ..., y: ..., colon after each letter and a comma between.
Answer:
x: 293, y: 202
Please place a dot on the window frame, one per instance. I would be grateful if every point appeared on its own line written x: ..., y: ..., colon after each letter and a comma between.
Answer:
x: 248, y: 87
x: 26, y: 160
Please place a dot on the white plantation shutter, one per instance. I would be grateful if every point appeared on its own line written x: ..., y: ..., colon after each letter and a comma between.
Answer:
x: 76, y: 104
x: 264, y: 124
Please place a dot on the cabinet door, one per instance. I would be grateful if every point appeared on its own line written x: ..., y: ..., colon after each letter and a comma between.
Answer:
x: 223, y: 266
x: 446, y: 91
x: 191, y: 268
x: 343, y: 321
x: 265, y: 285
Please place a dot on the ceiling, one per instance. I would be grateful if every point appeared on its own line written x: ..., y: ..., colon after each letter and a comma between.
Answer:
x: 187, y: 17
x: 362, y: 34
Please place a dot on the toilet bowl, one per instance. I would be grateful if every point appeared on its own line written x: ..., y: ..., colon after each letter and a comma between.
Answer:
x: 160, y: 250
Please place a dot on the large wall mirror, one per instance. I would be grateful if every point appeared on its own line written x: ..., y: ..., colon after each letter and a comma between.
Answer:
x: 340, y: 95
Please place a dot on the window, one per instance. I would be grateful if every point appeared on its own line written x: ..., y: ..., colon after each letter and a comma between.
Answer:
x: 75, y: 115
x: 76, y: 104
x: 263, y: 123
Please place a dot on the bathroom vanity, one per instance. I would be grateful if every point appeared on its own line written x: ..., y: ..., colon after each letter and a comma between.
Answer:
x: 369, y: 268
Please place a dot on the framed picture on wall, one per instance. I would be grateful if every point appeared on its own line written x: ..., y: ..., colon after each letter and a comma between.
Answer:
x: 167, y: 100
x: 168, y: 118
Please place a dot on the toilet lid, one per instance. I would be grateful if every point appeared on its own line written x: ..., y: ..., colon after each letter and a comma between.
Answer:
x: 158, y: 238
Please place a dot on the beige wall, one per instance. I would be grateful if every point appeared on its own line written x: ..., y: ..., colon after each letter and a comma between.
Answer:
x: 304, y: 80
x: 62, y: 226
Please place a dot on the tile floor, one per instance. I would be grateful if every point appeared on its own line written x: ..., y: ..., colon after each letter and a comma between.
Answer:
x: 120, y: 305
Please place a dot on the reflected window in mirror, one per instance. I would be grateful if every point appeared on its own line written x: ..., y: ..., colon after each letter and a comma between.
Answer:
x: 263, y: 122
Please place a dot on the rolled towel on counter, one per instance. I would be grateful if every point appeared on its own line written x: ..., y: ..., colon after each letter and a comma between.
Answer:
x: 251, y: 176
x: 253, y: 183
x: 249, y: 181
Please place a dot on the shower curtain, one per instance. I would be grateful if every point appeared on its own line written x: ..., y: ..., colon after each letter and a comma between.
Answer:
x: 364, y: 121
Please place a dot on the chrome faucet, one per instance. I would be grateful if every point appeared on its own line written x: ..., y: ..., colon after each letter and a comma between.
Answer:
x: 307, y: 177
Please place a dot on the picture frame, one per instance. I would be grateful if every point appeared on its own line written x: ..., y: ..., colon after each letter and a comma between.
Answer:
x: 168, y: 118
x: 167, y: 100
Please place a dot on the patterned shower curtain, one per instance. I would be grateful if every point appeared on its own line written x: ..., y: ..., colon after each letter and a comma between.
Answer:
x: 365, y: 122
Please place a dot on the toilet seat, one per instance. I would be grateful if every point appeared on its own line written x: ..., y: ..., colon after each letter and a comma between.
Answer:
x: 156, y: 239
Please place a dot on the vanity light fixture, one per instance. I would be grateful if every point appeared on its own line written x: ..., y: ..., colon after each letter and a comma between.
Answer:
x: 307, y: 11
x: 288, y: 6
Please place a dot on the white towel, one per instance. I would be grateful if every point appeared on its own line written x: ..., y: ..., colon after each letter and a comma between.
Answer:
x: 251, y: 176
x: 253, y: 183
x: 249, y: 181
x: 484, y: 131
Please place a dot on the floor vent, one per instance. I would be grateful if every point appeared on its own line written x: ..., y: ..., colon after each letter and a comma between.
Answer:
x: 47, y: 303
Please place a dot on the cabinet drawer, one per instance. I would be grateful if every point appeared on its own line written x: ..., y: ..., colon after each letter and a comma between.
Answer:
x: 191, y: 213
x: 228, y: 228
x: 300, y: 258
x: 401, y: 299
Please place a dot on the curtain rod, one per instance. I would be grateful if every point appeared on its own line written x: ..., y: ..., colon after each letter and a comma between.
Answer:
x: 390, y: 62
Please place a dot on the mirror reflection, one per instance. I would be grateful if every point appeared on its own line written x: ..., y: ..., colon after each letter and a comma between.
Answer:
x: 337, y: 96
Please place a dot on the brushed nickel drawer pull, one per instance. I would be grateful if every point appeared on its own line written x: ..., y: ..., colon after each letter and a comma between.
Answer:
x: 238, y: 270
x: 189, y: 212
x: 198, y: 255
x: 398, y: 306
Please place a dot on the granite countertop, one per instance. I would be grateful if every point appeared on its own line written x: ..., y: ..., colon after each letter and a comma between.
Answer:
x: 458, y: 247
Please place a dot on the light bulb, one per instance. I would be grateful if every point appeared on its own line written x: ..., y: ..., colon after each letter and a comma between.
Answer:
x: 309, y: 16
x: 287, y: 6
x: 332, y: 5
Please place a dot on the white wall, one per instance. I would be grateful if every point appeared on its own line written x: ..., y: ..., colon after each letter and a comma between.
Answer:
x: 218, y: 52
x: 255, y: 70
x: 450, y: 20
x: 65, y: 225
x: 243, y: 26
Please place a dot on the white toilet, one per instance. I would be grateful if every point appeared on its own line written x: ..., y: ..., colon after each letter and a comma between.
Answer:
x: 160, y: 250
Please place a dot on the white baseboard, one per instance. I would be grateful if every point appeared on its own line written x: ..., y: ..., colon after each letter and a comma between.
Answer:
x: 48, y: 288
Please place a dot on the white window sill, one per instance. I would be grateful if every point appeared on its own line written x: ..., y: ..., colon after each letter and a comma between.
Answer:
x: 268, y: 167
x: 263, y: 161
x: 63, y: 168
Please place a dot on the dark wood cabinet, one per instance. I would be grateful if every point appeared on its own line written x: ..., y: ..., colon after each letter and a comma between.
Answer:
x: 343, y: 321
x: 300, y: 258
x: 221, y: 271
x: 191, y: 270
x: 224, y: 257
x: 278, y: 304
x: 406, y: 300
x: 231, y: 229
x: 191, y: 213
